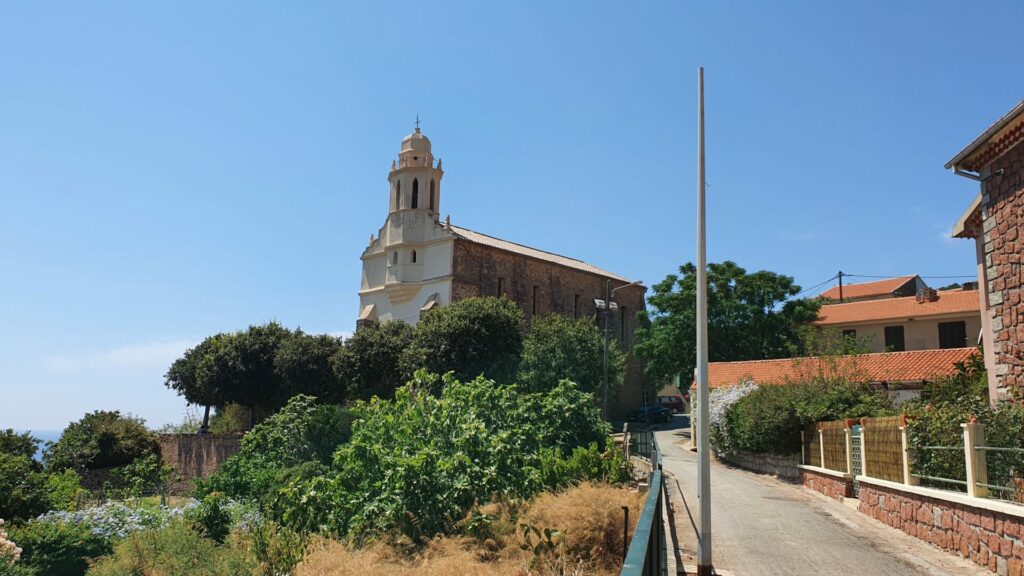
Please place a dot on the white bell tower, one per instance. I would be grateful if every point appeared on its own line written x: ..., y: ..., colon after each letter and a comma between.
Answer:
x: 415, y: 180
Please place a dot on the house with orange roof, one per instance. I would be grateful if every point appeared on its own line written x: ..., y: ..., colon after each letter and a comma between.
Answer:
x: 903, y: 374
x: 875, y: 290
x: 927, y: 320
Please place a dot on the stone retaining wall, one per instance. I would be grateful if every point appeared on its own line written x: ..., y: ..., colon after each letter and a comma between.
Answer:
x: 786, y: 467
x: 834, y: 485
x: 197, y: 455
x: 979, y: 532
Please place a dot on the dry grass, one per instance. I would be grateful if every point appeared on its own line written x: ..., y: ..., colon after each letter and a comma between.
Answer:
x: 589, y: 516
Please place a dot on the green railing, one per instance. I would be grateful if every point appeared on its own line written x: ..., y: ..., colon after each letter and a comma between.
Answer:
x: 644, y: 555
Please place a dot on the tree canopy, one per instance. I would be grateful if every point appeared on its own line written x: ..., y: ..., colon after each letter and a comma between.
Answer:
x: 559, y: 348
x: 370, y: 362
x: 750, y: 316
x: 470, y: 337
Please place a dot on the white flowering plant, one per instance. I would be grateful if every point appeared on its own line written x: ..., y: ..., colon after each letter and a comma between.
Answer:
x: 9, y: 551
x: 720, y: 400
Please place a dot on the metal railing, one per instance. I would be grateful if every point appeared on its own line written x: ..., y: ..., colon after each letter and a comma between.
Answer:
x: 644, y: 556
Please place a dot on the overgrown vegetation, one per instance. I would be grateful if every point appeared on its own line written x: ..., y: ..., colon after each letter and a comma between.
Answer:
x: 101, y: 439
x: 560, y: 348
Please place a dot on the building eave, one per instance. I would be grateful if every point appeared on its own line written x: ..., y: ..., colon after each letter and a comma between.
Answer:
x: 964, y: 159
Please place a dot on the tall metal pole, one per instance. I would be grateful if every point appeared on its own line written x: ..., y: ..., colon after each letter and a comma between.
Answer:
x: 840, y: 286
x: 704, y: 566
x: 606, y: 314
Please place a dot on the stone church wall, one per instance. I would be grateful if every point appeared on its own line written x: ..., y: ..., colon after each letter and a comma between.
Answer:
x: 541, y: 288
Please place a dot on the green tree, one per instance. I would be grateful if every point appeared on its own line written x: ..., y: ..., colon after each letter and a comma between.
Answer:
x: 22, y: 487
x: 18, y: 444
x: 750, y: 316
x: 470, y: 337
x: 370, y: 362
x: 557, y: 348
x: 303, y: 363
x: 100, y: 439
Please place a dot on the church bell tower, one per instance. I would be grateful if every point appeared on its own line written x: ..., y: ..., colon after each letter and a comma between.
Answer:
x: 415, y: 179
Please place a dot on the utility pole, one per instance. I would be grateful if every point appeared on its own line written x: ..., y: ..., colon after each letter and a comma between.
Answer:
x: 704, y: 565
x: 840, y: 286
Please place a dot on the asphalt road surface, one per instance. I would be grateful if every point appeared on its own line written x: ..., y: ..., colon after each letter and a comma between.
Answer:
x: 762, y: 526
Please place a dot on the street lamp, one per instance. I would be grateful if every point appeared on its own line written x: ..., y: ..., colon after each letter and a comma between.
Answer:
x: 607, y: 307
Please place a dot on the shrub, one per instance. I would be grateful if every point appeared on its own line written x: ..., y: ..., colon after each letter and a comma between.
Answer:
x: 22, y: 487
x: 301, y: 432
x: 59, y: 548
x: 770, y: 418
x: 370, y: 362
x: 174, y: 550
x: 720, y: 401
x: 420, y: 462
x: 101, y: 440
x: 211, y: 517
x: 585, y: 464
x: 144, y: 476
x: 64, y: 490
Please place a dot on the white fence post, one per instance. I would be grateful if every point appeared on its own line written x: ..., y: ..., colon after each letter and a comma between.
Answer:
x: 974, y: 460
x: 803, y: 449
x: 863, y: 449
x: 821, y: 445
x: 905, y: 442
x: 849, y: 447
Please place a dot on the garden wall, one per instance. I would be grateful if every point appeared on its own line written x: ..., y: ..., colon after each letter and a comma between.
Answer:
x: 197, y: 455
x: 835, y: 485
x: 785, y: 467
x: 988, y: 532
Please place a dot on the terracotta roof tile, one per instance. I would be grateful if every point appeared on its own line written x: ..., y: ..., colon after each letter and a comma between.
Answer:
x: 914, y: 366
x: 949, y: 302
x: 867, y: 289
x: 479, y: 238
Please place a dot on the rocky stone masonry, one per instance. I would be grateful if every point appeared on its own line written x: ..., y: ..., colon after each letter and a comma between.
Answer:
x: 786, y: 467
x: 1003, y: 217
x: 197, y: 455
x: 832, y: 486
x: 989, y: 538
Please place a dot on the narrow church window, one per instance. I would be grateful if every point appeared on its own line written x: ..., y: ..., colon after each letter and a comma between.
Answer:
x: 576, y: 306
x: 394, y: 257
x: 431, y: 195
x: 535, y: 300
x: 501, y: 286
x: 413, y: 256
x: 415, y: 192
x: 622, y: 323
x: 398, y: 195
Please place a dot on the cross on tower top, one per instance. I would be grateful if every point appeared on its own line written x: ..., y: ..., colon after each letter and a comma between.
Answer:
x: 417, y: 122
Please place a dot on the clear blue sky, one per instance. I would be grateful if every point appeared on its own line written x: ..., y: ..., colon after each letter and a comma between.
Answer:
x: 168, y: 171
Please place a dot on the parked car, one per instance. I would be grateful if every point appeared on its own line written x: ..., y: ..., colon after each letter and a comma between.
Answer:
x: 673, y: 403
x: 653, y: 413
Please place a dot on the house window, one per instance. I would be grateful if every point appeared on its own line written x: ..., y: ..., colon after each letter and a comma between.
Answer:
x: 894, y: 341
x: 501, y: 286
x: 534, y: 308
x: 415, y: 193
x: 576, y: 306
x: 413, y: 256
x: 952, y: 334
x: 431, y: 195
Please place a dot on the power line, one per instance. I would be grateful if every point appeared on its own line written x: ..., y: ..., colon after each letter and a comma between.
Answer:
x: 920, y: 275
x: 818, y: 285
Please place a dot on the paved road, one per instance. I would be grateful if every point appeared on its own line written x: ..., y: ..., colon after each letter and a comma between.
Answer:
x: 762, y: 526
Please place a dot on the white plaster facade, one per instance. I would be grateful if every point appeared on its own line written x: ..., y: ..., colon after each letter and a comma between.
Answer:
x: 407, y: 267
x: 918, y: 334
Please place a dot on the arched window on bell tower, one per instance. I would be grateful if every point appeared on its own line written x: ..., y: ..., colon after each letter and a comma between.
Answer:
x: 431, y: 194
x: 415, y: 192
x: 398, y: 195
x: 413, y: 259
x: 394, y: 257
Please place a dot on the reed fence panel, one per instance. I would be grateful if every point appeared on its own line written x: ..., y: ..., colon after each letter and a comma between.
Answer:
x: 883, y: 448
x: 812, y: 446
x: 834, y: 436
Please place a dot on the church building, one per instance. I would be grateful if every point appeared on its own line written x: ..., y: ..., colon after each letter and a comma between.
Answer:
x: 417, y: 262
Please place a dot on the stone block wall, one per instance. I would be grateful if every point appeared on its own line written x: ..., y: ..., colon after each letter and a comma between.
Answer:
x: 830, y: 485
x: 989, y: 538
x: 785, y: 467
x: 1002, y: 222
x: 197, y: 455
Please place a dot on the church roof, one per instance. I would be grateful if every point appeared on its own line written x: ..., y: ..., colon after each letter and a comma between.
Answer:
x: 491, y: 241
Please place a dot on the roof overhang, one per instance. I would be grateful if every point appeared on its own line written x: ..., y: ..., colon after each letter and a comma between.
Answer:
x: 992, y: 143
x: 970, y: 222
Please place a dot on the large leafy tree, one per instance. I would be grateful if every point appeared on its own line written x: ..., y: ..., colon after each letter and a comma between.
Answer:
x: 750, y: 316
x: 370, y: 362
x: 303, y: 363
x: 558, y: 348
x: 470, y: 337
